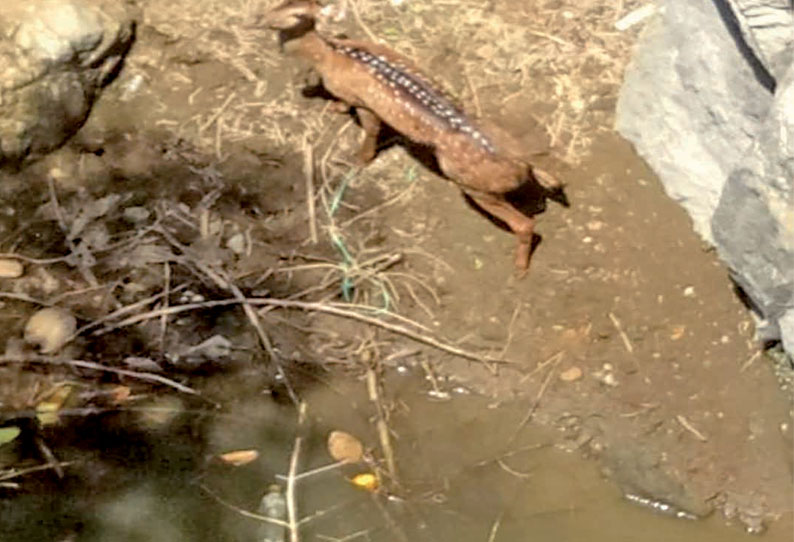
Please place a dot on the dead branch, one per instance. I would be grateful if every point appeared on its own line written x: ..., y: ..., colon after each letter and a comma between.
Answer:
x: 292, y: 509
x: 383, y: 428
x: 150, y: 377
x: 319, y: 307
x: 536, y: 402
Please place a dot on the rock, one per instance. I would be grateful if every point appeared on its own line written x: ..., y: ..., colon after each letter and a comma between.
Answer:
x: 10, y: 269
x: 690, y: 103
x: 707, y: 101
x: 274, y: 506
x: 754, y: 222
x: 237, y: 244
x: 638, y: 470
x: 55, y: 56
x: 216, y: 349
x: 136, y: 215
x: 50, y: 329
x: 767, y: 29
x: 786, y: 323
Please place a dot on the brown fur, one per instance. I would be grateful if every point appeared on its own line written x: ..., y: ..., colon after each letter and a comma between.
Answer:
x: 483, y: 160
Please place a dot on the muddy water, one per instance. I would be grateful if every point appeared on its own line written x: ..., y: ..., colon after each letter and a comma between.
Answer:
x: 467, y: 474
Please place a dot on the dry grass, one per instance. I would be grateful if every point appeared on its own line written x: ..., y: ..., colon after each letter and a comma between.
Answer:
x: 553, y: 64
x: 559, y: 62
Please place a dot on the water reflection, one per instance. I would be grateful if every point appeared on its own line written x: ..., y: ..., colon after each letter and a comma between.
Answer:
x: 458, y: 481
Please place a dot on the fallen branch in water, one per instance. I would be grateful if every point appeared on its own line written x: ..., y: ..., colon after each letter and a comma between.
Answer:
x: 82, y: 364
x: 292, y: 508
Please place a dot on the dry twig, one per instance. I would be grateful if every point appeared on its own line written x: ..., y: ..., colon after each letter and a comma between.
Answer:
x: 691, y: 428
x: 241, y: 511
x: 308, y: 175
x: 292, y: 509
x: 536, y: 402
x: 150, y: 377
x: 17, y: 473
x: 623, y: 336
x: 383, y: 428
x: 319, y: 307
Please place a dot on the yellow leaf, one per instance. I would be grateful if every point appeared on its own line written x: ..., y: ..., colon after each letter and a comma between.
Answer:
x: 7, y: 434
x: 47, y: 409
x: 239, y: 458
x: 366, y: 481
x: 120, y: 394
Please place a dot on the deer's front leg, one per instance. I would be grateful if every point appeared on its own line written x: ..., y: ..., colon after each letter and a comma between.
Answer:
x: 371, y: 125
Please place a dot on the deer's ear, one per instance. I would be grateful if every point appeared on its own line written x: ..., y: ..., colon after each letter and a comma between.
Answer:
x: 546, y: 179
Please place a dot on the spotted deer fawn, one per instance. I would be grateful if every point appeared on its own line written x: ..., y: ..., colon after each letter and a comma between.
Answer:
x: 386, y: 87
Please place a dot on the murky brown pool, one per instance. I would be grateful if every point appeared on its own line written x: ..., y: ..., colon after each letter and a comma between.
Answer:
x: 465, y: 474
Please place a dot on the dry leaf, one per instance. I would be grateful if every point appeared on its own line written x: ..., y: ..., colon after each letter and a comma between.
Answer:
x: 678, y: 332
x: 120, y: 394
x: 239, y: 458
x: 47, y: 409
x: 10, y: 269
x: 571, y: 375
x: 345, y: 447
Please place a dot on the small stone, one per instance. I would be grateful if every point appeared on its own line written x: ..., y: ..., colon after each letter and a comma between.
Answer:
x: 136, y: 214
x: 10, y: 269
x: 50, y: 329
x: 571, y: 375
x: 487, y: 51
x: 595, y: 225
x: 236, y: 243
x: 215, y: 349
x: 689, y: 291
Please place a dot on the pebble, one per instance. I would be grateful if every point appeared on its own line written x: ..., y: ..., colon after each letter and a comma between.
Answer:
x: 571, y: 375
x: 236, y: 243
x: 50, y: 329
x: 10, y: 269
x: 610, y: 380
x: 136, y: 214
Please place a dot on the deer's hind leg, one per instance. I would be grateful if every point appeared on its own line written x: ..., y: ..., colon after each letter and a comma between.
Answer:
x: 371, y: 125
x: 522, y: 226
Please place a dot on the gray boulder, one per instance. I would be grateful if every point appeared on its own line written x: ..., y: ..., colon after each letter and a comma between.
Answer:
x: 753, y: 224
x: 708, y: 101
x: 55, y: 56
x: 691, y: 105
x: 767, y: 29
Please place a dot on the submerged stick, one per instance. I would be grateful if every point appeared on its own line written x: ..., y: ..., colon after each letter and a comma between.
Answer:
x: 151, y: 377
x: 383, y: 427
x: 292, y: 508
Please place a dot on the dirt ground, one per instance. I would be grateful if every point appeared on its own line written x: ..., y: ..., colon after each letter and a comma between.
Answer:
x: 627, y: 334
